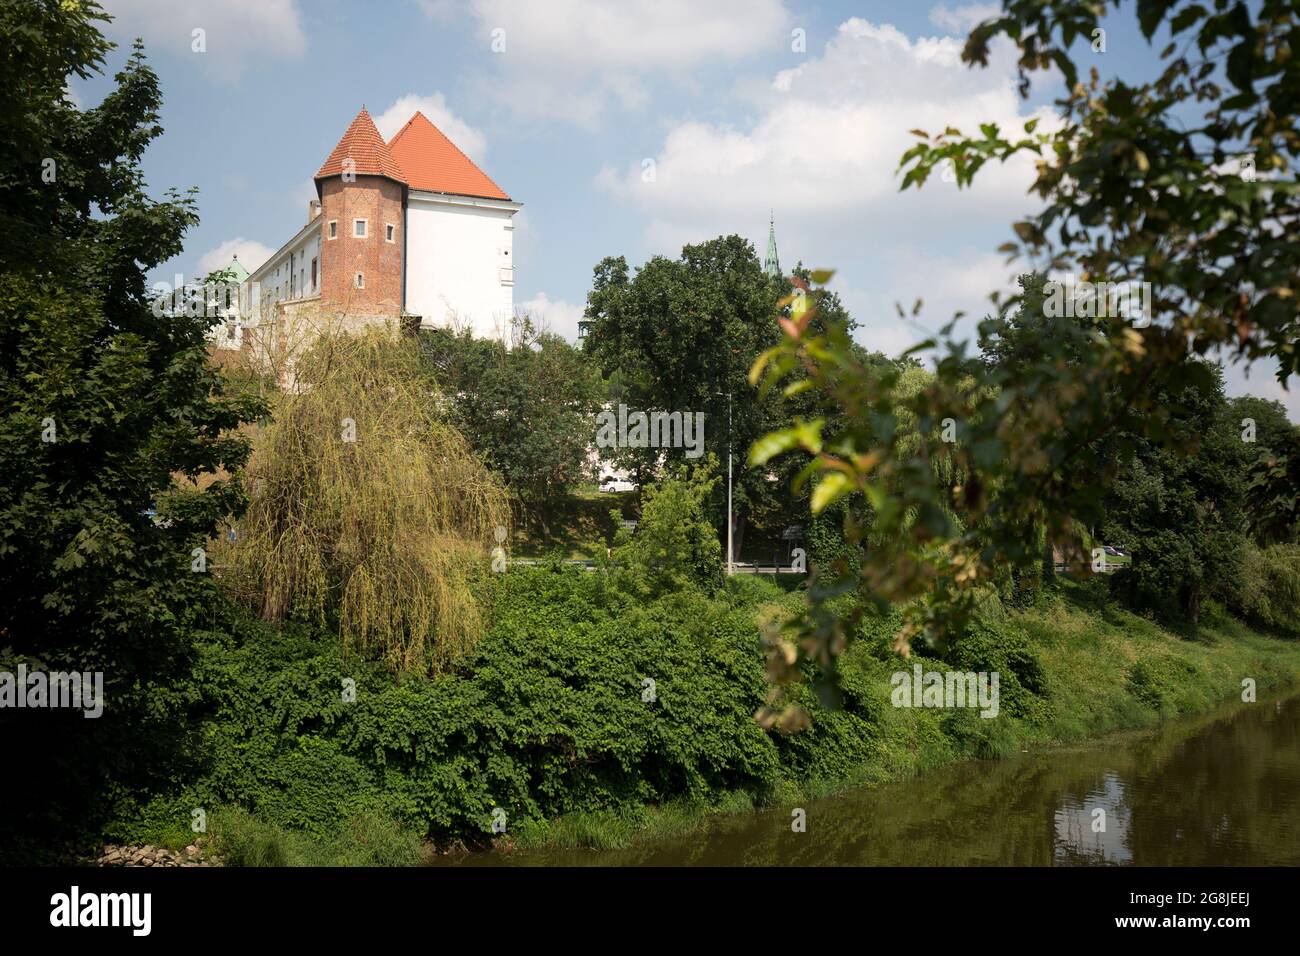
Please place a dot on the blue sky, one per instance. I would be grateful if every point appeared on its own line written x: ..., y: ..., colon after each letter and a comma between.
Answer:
x: 743, y: 106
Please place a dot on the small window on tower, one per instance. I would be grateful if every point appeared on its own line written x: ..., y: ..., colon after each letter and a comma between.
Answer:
x: 334, y: 228
x: 361, y: 280
x: 359, y: 228
x: 389, y: 232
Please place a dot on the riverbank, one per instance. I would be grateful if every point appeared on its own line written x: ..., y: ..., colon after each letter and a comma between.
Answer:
x: 1217, y: 789
x: 588, y: 719
x: 1107, y: 673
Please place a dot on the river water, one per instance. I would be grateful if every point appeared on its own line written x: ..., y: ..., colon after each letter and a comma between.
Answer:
x: 1218, y: 790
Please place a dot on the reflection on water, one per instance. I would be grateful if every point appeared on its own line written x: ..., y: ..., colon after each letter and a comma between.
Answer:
x: 1221, y: 790
x: 1093, y: 829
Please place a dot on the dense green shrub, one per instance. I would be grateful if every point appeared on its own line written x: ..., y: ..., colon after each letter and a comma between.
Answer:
x: 825, y: 541
x: 993, y: 642
x: 1267, y: 592
x: 551, y: 716
x: 674, y: 548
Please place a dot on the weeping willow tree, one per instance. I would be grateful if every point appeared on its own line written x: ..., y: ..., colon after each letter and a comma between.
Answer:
x: 367, y: 509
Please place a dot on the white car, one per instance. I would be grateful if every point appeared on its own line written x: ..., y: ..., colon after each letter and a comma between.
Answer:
x: 610, y: 484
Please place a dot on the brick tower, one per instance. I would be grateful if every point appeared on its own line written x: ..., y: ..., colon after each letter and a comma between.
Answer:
x: 362, y: 225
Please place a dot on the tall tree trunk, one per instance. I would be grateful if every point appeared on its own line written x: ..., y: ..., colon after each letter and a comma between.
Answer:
x: 1193, y: 604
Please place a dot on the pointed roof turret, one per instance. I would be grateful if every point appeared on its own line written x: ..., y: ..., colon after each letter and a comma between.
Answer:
x: 435, y: 164
x: 369, y: 153
x: 771, y: 265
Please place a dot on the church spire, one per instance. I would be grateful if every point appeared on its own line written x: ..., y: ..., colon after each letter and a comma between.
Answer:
x: 771, y: 265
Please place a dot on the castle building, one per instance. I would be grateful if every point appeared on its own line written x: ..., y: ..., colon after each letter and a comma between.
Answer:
x: 408, y: 231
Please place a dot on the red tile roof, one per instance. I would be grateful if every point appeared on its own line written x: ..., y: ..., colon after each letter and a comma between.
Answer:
x: 435, y: 164
x: 366, y: 148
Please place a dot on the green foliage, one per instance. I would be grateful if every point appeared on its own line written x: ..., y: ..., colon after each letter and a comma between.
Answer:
x: 681, y: 331
x: 995, y: 642
x: 380, y: 525
x: 550, y: 720
x: 108, y: 409
x: 549, y: 717
x: 1273, y: 475
x: 1267, y: 590
x: 1180, y: 510
x: 1152, y: 680
x: 677, y: 336
x: 674, y: 548
x: 1133, y: 190
x: 247, y: 841
x: 526, y: 407
x: 367, y: 839
x: 1132, y: 193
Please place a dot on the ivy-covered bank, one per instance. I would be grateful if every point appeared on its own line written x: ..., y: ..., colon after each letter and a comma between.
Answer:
x: 589, y: 719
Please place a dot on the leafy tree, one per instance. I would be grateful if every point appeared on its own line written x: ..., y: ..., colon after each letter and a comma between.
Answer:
x: 681, y: 332
x: 1267, y: 591
x: 109, y: 410
x: 368, y: 508
x: 1271, y: 494
x: 527, y: 407
x: 1135, y: 190
x: 674, y: 547
x: 1185, y: 182
x: 1179, y: 510
x: 1272, y: 468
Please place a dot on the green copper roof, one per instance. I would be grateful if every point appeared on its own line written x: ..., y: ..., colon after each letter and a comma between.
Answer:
x: 236, y: 268
x: 771, y: 265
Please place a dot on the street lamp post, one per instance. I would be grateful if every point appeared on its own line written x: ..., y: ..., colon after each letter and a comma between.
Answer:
x: 731, y: 563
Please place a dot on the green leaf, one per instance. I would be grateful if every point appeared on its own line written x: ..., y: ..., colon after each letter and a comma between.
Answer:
x: 1185, y: 18
x: 756, y: 370
x: 1150, y: 13
x: 772, y: 444
x: 830, y: 489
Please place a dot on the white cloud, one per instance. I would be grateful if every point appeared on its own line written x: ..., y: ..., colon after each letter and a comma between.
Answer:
x: 822, y: 150
x: 236, y: 33
x: 831, y: 133
x: 572, y: 59
x: 559, y: 317
x: 251, y: 254
x: 471, y: 141
x: 1260, y: 379
x: 962, y: 19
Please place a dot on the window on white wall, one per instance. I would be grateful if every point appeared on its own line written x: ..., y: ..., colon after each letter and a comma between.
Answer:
x: 359, y: 227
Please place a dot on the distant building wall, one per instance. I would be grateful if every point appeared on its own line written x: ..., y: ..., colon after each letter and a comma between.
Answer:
x: 460, y: 262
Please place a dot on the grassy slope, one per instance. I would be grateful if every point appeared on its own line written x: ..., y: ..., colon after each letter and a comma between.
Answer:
x: 581, y: 528
x: 1107, y: 670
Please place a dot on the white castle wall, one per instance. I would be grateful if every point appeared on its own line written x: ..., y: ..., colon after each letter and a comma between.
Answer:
x: 460, y: 262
